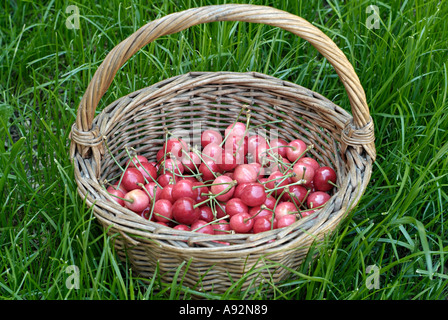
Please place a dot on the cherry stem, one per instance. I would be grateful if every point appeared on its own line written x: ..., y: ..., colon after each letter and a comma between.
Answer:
x: 213, y: 196
x: 211, y: 222
x: 162, y: 216
x: 138, y: 160
x: 333, y: 184
x: 114, y: 195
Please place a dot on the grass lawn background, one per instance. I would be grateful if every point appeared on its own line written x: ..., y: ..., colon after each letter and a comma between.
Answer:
x: 400, y: 226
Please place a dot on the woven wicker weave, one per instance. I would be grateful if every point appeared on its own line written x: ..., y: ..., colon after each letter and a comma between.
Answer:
x: 140, y: 120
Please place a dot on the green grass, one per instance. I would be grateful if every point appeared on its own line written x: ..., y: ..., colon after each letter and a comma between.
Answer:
x: 400, y: 225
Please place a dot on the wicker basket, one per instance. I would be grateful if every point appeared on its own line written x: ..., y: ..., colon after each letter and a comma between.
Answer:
x: 139, y: 120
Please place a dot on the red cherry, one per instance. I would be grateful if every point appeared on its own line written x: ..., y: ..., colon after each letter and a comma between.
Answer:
x: 205, y: 213
x: 212, y: 151
x: 191, y: 162
x: 296, y: 194
x: 224, y: 186
x: 276, y: 147
x: 259, y: 212
x: 254, y: 195
x: 166, y: 193
x: 154, y: 190
x: 201, y: 191
x: 295, y: 150
x: 167, y: 178
x: 303, y: 171
x: 183, y: 188
x: 161, y: 155
x: 270, y: 202
x: 182, y: 227
x: 136, y: 160
x: 175, y: 146
x: 236, y: 205
x: 210, y: 136
x: 245, y: 173
x: 235, y: 129
x: 309, y: 161
x: 284, y: 208
x: 317, y: 199
x: 132, y: 178
x: 208, y: 169
x: 162, y: 210
x: 228, y: 161
x: 116, y: 192
x: 286, y: 220
x: 279, y: 181
x: 241, y: 222
x: 264, y: 224
x: 237, y: 144
x: 239, y: 189
x: 138, y: 200
x: 202, y: 226
x: 221, y: 227
x: 121, y: 188
x: 255, y: 145
x: 184, y: 211
x: 322, y: 176
x: 148, y: 171
x: 258, y: 168
x: 173, y: 165
x: 220, y: 210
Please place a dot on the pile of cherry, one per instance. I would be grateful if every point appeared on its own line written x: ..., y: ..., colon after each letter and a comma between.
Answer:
x: 236, y: 184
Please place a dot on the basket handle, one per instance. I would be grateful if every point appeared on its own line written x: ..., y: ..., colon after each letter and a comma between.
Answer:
x: 358, y: 133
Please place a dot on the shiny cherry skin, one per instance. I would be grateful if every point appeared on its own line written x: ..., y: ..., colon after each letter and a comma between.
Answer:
x: 132, y: 179
x: 254, y: 195
x: 285, y: 208
x: 286, y: 220
x: 136, y: 160
x: 167, y: 178
x: 244, y: 173
x: 148, y: 171
x: 236, y: 205
x: 114, y: 192
x: 202, y: 226
x: 208, y: 169
x: 317, y: 199
x: 221, y: 227
x: 162, y: 210
x: 264, y: 224
x: 295, y: 150
x: 310, y: 162
x: 210, y: 136
x: 183, y: 188
x: 138, y: 200
x: 303, y: 171
x: 184, y: 211
x: 206, y: 213
x: 154, y: 190
x: 223, y: 188
x: 296, y: 194
x: 322, y: 178
x: 241, y: 222
x: 166, y: 193
x: 279, y: 146
x: 236, y: 129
